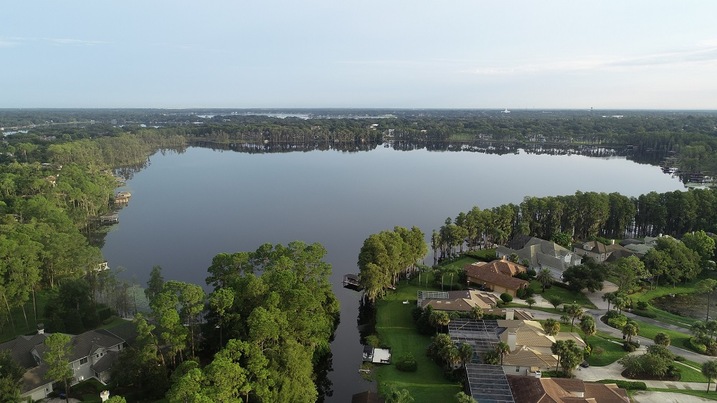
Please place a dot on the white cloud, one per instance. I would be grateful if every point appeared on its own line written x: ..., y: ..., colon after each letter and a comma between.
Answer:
x: 705, y: 52
x: 73, y: 42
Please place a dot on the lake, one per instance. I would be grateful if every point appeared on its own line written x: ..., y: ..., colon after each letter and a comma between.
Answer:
x: 188, y: 207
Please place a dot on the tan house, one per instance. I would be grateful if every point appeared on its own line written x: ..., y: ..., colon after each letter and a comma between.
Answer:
x: 497, y: 276
x: 559, y: 390
x: 461, y: 301
x: 529, y: 345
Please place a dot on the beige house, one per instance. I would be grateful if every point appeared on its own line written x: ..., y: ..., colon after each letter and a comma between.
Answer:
x: 529, y: 345
x: 461, y: 301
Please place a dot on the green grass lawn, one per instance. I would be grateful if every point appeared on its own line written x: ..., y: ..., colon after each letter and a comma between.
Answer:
x: 396, y: 330
x: 606, y: 349
x: 678, y: 339
x: 565, y: 295
x: 690, y: 372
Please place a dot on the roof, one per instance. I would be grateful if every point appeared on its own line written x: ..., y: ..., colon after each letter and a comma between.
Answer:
x: 34, y: 378
x: 528, y: 333
x: 20, y: 349
x: 106, y: 362
x: 495, y: 273
x: 525, y: 356
x: 538, y: 252
x: 85, y: 344
x: 559, y: 390
x: 591, y: 246
x: 463, y: 300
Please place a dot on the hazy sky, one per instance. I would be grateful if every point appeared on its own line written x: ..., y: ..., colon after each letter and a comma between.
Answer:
x: 346, y: 53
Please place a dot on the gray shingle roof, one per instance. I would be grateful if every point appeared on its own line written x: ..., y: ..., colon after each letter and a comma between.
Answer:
x: 20, y: 349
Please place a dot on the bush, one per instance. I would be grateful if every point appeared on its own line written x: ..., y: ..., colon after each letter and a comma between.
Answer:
x: 629, y: 347
x: 506, y: 297
x: 617, y: 322
x: 373, y: 340
x: 406, y: 363
x: 642, y: 305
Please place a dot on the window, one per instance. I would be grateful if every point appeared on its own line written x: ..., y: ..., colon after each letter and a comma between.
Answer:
x: 83, y: 361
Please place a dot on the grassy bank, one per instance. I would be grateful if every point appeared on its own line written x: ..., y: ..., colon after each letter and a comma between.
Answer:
x: 396, y: 330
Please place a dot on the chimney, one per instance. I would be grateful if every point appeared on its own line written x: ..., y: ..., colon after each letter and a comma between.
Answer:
x: 40, y: 328
x: 509, y: 314
x: 512, y: 340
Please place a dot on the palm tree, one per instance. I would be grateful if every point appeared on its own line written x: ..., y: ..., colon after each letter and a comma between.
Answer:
x: 551, y: 327
x: 502, y: 349
x: 707, y: 286
x: 545, y: 278
x: 630, y: 330
x: 709, y: 370
x: 477, y: 313
x: 587, y: 325
x: 465, y: 351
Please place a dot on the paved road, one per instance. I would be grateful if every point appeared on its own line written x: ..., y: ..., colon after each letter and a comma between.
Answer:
x: 596, y: 299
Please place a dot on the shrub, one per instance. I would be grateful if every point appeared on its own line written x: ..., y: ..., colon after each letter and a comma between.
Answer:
x: 373, y: 340
x: 629, y: 347
x: 406, y: 363
x: 524, y: 293
x: 506, y: 297
x: 642, y: 305
x: 617, y: 322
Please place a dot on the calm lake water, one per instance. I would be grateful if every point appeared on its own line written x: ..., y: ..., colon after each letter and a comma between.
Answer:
x: 188, y: 207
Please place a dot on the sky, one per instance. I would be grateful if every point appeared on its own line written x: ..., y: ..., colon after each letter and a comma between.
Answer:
x: 359, y: 54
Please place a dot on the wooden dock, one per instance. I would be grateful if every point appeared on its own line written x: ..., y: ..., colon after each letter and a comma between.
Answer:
x: 351, y: 281
x: 109, y: 219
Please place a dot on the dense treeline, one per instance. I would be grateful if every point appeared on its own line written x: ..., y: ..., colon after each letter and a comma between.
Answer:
x: 582, y: 216
x: 270, y: 318
x: 688, y: 138
x: 385, y: 256
x: 50, y: 195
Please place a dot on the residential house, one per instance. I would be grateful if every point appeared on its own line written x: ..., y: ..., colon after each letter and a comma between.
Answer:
x: 539, y: 254
x: 34, y: 385
x: 92, y: 356
x: 465, y: 300
x: 560, y: 390
x: 461, y: 300
x: 530, y: 346
x: 601, y: 253
x: 497, y: 276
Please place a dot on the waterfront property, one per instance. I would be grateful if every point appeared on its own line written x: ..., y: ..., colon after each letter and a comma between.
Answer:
x: 92, y: 355
x: 459, y: 301
x: 539, y: 254
x: 497, y: 276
